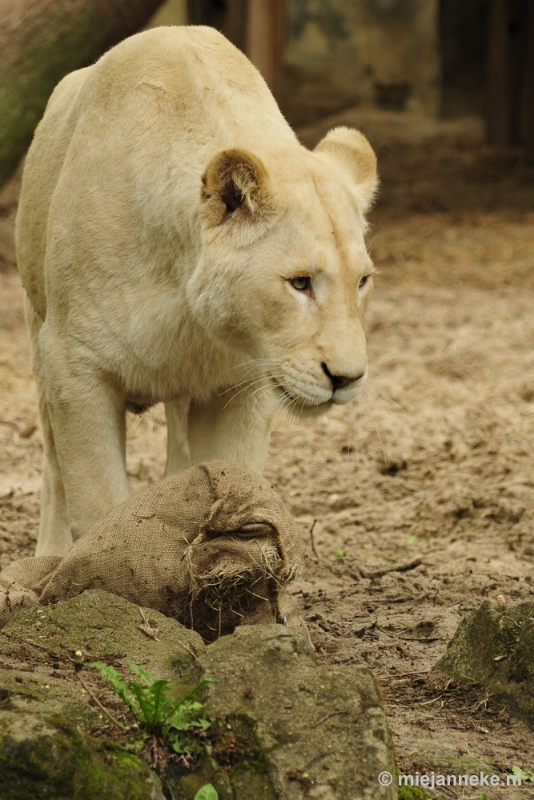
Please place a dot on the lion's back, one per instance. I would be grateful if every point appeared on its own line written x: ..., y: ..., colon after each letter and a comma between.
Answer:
x: 167, y: 98
x: 43, y: 166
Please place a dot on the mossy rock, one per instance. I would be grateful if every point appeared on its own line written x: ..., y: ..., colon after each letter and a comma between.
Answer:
x: 38, y: 652
x: 284, y: 727
x: 45, y: 712
x: 102, y: 625
x: 494, y: 646
x: 412, y: 793
x: 288, y: 727
x: 51, y: 760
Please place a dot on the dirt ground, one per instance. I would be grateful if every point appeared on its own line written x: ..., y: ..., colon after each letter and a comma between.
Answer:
x: 417, y: 502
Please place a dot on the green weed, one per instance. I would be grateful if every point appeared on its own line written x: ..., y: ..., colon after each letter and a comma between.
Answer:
x: 207, y: 792
x: 156, y: 712
x: 525, y: 776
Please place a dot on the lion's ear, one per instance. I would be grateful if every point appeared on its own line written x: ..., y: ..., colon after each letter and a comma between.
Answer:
x: 351, y: 149
x: 235, y: 183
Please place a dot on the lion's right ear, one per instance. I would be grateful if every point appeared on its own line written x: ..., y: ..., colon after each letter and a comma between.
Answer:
x: 350, y: 149
x: 235, y: 186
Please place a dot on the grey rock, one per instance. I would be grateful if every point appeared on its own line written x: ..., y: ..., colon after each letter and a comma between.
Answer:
x: 321, y: 729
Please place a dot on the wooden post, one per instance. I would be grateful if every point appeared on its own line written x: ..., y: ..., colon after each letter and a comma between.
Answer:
x: 40, y: 42
x: 526, y: 111
x: 499, y: 100
x: 510, y: 74
x: 266, y: 40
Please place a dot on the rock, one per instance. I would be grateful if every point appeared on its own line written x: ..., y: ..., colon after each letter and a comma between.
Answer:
x: 295, y: 729
x: 38, y: 651
x: 44, y: 709
x: 51, y: 759
x: 284, y: 727
x: 494, y: 646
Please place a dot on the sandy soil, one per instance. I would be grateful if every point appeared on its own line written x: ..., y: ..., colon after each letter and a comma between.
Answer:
x: 417, y: 502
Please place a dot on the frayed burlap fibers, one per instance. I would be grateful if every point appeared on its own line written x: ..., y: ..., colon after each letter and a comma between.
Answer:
x: 213, y: 547
x: 22, y: 582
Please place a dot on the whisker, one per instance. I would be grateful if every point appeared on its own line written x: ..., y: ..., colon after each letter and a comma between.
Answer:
x: 384, y: 395
x: 252, y: 363
x: 291, y: 406
x: 247, y: 382
x: 372, y: 415
x: 261, y: 381
x: 250, y: 380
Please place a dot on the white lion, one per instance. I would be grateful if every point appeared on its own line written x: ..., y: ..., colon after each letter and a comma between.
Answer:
x: 178, y: 244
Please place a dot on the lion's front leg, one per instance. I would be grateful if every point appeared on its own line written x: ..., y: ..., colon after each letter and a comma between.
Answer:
x: 87, y: 416
x: 54, y: 530
x: 235, y: 426
x: 178, y: 453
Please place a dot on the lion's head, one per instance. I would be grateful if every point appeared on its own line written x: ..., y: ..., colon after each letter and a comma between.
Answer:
x: 284, y: 276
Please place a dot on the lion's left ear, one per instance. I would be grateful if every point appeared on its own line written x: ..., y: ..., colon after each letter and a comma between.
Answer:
x: 349, y: 148
x: 235, y: 185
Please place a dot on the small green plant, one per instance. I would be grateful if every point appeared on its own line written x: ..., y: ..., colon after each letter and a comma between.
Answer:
x: 156, y: 712
x: 207, y: 792
x: 525, y: 776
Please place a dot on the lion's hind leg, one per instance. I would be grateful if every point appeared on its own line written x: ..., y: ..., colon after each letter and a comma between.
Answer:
x: 54, y: 530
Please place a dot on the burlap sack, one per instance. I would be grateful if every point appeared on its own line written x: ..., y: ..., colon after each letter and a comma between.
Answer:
x: 213, y: 547
x: 22, y: 582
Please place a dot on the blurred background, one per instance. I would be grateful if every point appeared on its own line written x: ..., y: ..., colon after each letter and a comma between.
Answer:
x: 444, y: 89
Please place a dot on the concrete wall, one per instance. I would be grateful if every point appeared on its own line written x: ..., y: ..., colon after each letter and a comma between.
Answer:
x: 347, y: 52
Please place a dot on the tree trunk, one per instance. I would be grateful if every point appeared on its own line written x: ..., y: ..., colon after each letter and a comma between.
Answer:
x: 40, y: 42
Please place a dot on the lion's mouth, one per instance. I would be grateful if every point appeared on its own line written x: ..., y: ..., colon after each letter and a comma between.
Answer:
x: 282, y: 389
x: 298, y: 403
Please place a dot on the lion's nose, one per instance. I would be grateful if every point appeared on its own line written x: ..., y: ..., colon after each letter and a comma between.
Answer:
x: 340, y: 381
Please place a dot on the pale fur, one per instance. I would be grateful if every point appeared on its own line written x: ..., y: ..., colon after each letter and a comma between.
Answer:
x: 166, y: 205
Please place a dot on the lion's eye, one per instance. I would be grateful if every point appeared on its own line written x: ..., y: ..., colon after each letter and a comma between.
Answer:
x: 363, y: 281
x: 302, y: 283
